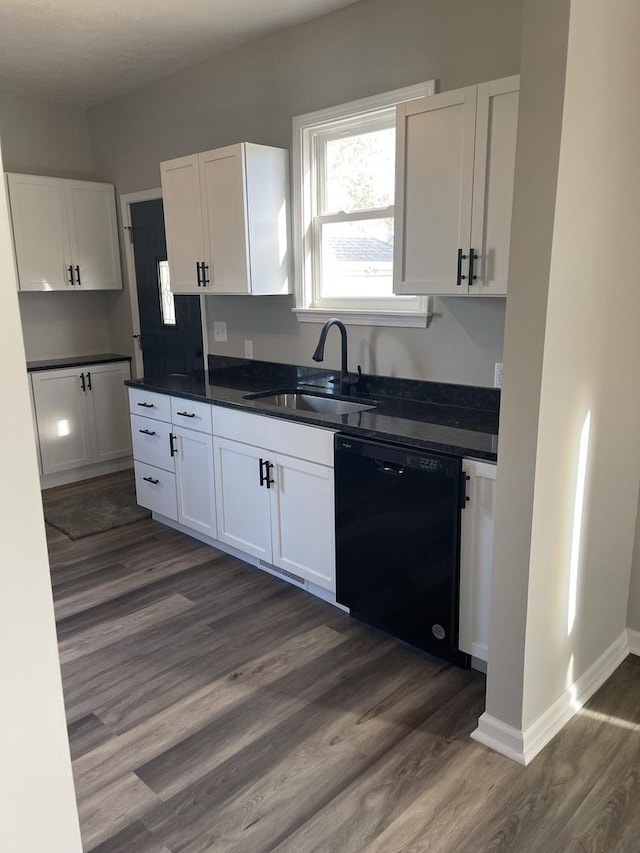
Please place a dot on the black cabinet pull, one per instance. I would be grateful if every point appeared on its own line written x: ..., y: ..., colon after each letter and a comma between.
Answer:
x: 151, y: 480
x: 89, y: 380
x: 84, y: 387
x: 198, y: 271
x: 269, y: 465
x: 78, y: 274
x: 186, y: 414
x: 172, y: 448
x: 472, y: 257
x: 205, y: 270
x: 460, y: 278
x: 146, y: 405
x: 147, y: 431
x: 71, y: 281
x: 262, y: 476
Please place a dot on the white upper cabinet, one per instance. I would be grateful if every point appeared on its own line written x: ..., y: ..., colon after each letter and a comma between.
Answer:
x: 226, y: 220
x: 454, y: 186
x: 65, y: 234
x: 183, y: 222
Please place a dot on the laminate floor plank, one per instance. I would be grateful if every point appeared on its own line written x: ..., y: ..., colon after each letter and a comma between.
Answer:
x: 117, y: 804
x: 86, y: 734
x: 192, y: 758
x: 261, y: 793
x: 153, y: 736
x: 212, y: 706
x: 134, y: 838
x: 111, y: 630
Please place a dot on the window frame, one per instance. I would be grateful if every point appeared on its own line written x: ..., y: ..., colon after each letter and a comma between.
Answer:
x: 310, y: 131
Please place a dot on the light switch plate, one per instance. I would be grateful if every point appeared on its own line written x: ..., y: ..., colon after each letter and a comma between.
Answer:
x: 220, y: 331
x: 248, y: 349
x: 497, y: 375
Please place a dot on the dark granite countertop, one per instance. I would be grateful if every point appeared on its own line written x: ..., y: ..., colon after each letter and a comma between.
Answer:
x: 456, y: 419
x: 75, y: 361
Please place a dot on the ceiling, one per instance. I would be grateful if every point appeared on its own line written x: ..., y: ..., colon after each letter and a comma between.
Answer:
x: 84, y: 52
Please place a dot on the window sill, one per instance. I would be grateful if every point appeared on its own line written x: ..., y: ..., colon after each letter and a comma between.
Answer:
x: 357, y: 317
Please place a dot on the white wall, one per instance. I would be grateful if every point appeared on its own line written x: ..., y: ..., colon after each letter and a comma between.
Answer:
x: 587, y: 460
x: 38, y: 810
x: 252, y: 92
x: 41, y: 137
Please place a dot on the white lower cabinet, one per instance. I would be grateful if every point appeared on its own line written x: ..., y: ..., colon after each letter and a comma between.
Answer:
x: 275, y: 500
x: 81, y: 415
x: 195, y: 490
x: 476, y: 551
x: 277, y: 508
x: 174, y: 465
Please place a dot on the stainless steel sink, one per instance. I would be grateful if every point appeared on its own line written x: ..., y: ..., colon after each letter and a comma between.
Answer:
x: 305, y: 401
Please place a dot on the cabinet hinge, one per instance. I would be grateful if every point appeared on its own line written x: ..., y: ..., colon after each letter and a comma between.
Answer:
x: 464, y: 497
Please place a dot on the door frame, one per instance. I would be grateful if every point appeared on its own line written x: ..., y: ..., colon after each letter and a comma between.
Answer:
x: 126, y: 201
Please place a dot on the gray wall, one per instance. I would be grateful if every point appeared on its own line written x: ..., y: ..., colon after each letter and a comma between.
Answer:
x: 633, y: 613
x: 544, y: 50
x: 252, y: 92
x: 43, y: 138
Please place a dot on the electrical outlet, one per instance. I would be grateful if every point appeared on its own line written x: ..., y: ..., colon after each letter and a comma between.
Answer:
x: 497, y: 375
x: 248, y: 349
x: 220, y: 331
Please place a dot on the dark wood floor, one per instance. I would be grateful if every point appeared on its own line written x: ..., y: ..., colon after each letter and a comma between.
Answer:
x: 214, y: 707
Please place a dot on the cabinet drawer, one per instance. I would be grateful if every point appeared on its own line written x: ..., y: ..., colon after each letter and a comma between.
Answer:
x: 156, y: 489
x: 151, y: 442
x: 277, y: 435
x: 150, y: 404
x: 191, y: 414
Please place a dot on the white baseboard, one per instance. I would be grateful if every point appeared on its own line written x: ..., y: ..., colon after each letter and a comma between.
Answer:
x: 523, y: 745
x: 634, y: 641
x: 75, y: 475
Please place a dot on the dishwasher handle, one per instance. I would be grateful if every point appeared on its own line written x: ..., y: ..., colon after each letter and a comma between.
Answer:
x: 389, y: 468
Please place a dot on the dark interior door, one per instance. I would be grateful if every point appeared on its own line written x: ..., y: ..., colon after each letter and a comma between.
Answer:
x: 170, y: 326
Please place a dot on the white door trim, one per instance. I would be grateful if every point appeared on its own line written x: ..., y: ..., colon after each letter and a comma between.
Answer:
x: 125, y: 208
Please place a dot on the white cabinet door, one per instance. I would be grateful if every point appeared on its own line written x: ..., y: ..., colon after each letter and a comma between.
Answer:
x: 40, y: 232
x: 476, y: 553
x: 224, y: 211
x: 108, y: 410
x: 302, y: 520
x: 195, y: 481
x: 183, y: 222
x: 495, y: 155
x: 434, y: 183
x: 242, y: 504
x: 94, y: 235
x: 63, y: 424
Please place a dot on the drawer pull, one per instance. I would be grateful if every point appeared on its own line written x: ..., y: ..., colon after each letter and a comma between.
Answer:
x: 146, y: 405
x: 151, y: 480
x: 148, y: 431
x: 186, y: 414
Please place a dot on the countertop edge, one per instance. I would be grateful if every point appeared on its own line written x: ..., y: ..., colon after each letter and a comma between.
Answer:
x: 38, y: 364
x: 315, y: 419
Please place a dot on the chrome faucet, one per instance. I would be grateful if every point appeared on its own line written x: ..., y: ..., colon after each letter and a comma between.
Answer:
x: 345, y: 380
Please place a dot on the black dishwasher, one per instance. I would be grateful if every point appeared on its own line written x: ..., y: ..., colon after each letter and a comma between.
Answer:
x: 398, y: 541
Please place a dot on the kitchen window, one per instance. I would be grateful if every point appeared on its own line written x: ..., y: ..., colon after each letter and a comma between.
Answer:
x: 344, y: 188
